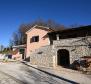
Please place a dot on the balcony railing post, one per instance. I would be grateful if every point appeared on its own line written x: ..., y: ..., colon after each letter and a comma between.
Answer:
x: 57, y: 36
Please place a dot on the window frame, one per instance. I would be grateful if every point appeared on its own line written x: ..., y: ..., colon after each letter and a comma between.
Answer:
x: 34, y: 39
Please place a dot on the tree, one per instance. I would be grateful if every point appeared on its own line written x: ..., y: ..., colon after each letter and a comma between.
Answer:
x: 15, y: 40
x: 1, y: 47
x: 20, y: 37
x: 49, y: 23
x: 22, y: 33
x: 76, y: 25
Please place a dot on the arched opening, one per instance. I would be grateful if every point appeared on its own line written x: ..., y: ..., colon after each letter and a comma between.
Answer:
x: 63, y: 58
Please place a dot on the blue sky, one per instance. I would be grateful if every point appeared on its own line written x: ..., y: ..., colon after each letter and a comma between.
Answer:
x: 13, y: 13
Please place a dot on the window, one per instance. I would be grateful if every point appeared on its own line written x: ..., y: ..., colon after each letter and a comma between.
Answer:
x: 34, y: 39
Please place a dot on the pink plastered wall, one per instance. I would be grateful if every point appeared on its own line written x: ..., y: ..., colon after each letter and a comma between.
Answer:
x: 16, y: 55
x: 43, y: 39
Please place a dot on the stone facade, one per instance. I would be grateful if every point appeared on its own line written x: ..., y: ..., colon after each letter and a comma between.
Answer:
x: 77, y: 48
x: 42, y: 56
x: 47, y: 55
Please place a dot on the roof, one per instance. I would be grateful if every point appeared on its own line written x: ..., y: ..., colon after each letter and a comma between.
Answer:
x: 73, y: 29
x: 71, y: 32
x: 41, y: 27
x: 20, y: 46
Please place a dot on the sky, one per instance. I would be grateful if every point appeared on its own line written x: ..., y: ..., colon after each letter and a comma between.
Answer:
x: 13, y: 13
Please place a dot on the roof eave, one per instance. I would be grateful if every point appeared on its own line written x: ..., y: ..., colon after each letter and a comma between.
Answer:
x: 39, y: 27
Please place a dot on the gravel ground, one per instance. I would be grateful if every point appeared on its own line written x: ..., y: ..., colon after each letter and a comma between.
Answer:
x: 18, y: 73
x: 4, y: 79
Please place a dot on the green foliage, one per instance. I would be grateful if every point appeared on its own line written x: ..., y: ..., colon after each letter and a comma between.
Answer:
x: 5, y: 51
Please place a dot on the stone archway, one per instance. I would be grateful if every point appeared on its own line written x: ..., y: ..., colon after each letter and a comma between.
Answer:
x: 63, y: 58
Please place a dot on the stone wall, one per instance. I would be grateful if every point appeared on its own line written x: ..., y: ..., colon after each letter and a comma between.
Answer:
x: 77, y: 47
x: 42, y: 56
x: 47, y: 55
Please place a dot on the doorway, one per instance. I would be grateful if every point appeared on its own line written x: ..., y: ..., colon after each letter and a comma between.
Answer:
x: 63, y: 58
x: 22, y: 51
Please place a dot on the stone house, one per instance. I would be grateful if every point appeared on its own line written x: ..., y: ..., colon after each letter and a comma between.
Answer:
x: 49, y: 48
x: 64, y: 47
